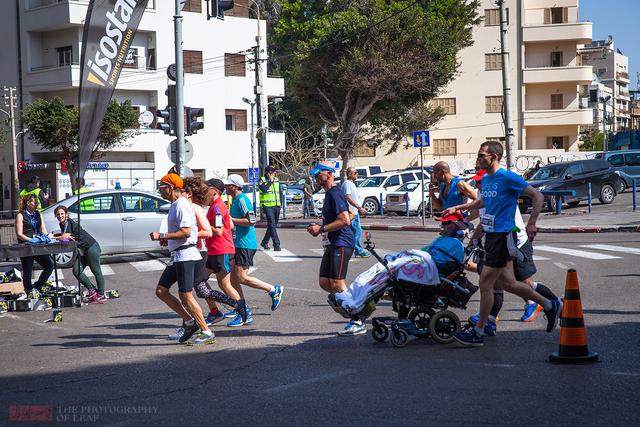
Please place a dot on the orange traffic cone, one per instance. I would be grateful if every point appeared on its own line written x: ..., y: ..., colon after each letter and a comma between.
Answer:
x: 573, y: 346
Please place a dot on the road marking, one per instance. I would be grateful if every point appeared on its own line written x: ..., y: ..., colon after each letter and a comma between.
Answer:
x: 304, y: 290
x: 150, y: 265
x: 283, y: 256
x: 317, y: 251
x: 626, y: 374
x: 574, y: 252
x: 319, y: 379
x: 52, y: 278
x: 540, y: 258
x: 106, y: 271
x: 612, y: 248
x: 561, y: 266
x: 499, y: 365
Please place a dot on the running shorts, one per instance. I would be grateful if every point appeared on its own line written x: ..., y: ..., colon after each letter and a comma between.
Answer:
x: 244, y: 257
x: 525, y: 268
x: 183, y: 272
x: 496, y: 250
x: 335, y: 262
x: 219, y: 263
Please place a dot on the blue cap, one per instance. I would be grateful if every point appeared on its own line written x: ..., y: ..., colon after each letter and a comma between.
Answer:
x: 319, y: 168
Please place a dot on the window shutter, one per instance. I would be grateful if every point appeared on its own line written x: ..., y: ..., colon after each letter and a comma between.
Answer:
x: 192, y: 61
x: 547, y: 16
x: 565, y: 15
x: 234, y: 64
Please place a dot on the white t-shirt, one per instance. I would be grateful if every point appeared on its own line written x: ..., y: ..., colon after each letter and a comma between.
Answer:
x: 351, y: 190
x: 181, y: 215
x: 522, y: 234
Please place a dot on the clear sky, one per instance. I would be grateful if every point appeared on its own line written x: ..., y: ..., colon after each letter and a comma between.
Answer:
x: 620, y: 19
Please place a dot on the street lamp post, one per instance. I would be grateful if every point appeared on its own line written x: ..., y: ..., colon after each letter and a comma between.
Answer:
x: 253, y: 149
x: 604, y: 100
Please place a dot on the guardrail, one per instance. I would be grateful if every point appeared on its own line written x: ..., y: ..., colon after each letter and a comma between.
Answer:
x: 635, y: 186
x: 559, y: 200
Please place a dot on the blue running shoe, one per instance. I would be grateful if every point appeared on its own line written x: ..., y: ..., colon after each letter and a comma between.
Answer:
x: 237, y: 321
x: 554, y: 314
x: 230, y: 314
x: 531, y: 311
x: 490, y: 328
x: 469, y: 338
x: 212, y: 319
x: 473, y: 320
x: 276, y: 297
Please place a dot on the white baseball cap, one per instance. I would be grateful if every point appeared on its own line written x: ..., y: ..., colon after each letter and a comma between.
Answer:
x: 234, y: 179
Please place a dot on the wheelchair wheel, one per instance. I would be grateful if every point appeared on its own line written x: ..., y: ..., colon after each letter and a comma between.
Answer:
x: 420, y: 317
x: 399, y: 338
x: 380, y: 333
x: 442, y: 326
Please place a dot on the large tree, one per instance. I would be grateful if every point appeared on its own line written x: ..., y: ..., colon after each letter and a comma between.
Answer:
x: 54, y: 127
x: 368, y: 68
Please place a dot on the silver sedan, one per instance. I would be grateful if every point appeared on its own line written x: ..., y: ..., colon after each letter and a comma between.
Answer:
x: 119, y: 220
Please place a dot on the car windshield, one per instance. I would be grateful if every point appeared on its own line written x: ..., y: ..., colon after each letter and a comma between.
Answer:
x: 548, y: 172
x: 599, y: 156
x: 372, y: 181
x: 409, y: 186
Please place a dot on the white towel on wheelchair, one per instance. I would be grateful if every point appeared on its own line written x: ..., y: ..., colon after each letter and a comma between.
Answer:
x: 412, y: 265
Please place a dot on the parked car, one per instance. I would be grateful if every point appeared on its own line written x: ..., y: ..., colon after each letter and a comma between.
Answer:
x: 370, y: 189
x: 575, y: 175
x: 396, y: 201
x: 627, y: 161
x: 367, y: 171
x: 120, y: 220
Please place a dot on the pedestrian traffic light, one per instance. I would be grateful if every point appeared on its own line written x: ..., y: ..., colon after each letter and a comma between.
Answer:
x: 64, y: 167
x: 169, y: 117
x: 21, y: 166
x: 216, y: 8
x: 193, y: 125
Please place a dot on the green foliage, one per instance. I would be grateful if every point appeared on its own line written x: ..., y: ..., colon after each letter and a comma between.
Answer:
x: 376, y: 62
x: 591, y: 141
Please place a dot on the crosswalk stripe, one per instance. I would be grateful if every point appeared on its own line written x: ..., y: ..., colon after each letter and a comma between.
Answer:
x: 317, y: 251
x: 106, y: 271
x: 283, y: 256
x: 150, y: 265
x: 36, y: 274
x: 612, y: 248
x: 574, y: 252
x: 540, y: 258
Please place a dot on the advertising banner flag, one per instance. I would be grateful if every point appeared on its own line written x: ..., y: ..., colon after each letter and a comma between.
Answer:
x: 109, y: 29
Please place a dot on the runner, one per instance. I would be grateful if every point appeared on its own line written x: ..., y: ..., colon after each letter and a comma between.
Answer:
x: 337, y: 238
x: 500, y: 192
x: 182, y: 237
x: 246, y: 245
x: 351, y: 192
x: 452, y: 190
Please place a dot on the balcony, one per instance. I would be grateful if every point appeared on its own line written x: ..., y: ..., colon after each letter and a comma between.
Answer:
x: 623, y: 77
x: 558, y: 74
x: 578, y: 31
x: 558, y: 117
x: 39, y: 79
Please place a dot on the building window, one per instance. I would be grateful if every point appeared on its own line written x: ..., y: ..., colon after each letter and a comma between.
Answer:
x: 65, y: 56
x: 493, y: 104
x: 557, y: 142
x: 236, y: 120
x: 556, y: 15
x: 556, y: 59
x: 151, y: 59
x: 444, y: 147
x: 192, y: 6
x: 492, y: 17
x: 492, y: 61
x: 234, y: 65
x: 447, y: 104
x: 364, y: 150
x: 557, y: 101
x: 192, y: 61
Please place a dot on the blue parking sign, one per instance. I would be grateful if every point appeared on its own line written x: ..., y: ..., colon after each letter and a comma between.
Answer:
x: 253, y: 174
x: 421, y: 138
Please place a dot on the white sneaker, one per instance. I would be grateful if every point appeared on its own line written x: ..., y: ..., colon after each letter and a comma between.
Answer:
x: 177, y: 334
x: 354, y: 327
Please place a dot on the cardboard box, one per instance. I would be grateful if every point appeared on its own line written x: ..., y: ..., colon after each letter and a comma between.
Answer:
x: 12, y: 288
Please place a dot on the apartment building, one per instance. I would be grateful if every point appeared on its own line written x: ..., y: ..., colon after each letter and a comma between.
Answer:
x: 545, y: 71
x: 42, y: 43
x: 599, y: 98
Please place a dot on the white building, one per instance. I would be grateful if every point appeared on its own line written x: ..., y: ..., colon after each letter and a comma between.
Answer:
x: 44, y: 62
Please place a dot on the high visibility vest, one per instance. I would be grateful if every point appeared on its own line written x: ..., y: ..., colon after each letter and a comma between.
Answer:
x: 272, y: 196
x: 35, y: 192
x: 86, y: 204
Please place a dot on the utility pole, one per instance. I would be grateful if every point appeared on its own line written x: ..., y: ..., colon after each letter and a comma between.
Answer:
x: 177, y: 21
x: 506, y: 84
x: 10, y: 100
x: 604, y: 100
x: 263, y: 155
x: 324, y: 140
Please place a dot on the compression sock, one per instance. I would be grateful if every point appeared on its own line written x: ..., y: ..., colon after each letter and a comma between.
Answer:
x: 498, y: 299
x: 544, y: 291
x: 479, y: 332
x: 203, y: 291
x: 547, y: 305
x: 214, y: 311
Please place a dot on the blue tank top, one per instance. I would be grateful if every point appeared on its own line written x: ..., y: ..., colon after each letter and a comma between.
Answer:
x: 453, y: 197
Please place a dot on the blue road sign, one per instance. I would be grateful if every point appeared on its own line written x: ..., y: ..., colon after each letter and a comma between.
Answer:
x: 421, y: 138
x: 253, y: 174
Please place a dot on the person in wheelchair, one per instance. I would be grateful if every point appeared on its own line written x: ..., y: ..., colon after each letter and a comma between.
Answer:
x: 447, y: 250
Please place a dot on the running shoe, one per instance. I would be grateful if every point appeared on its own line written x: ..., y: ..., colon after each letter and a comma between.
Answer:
x: 276, y: 296
x: 354, y: 327
x: 230, y: 314
x: 212, y: 319
x: 490, y: 328
x: 553, y: 315
x: 202, y: 339
x: 363, y: 255
x: 265, y: 246
x: 98, y: 298
x: 237, y: 321
x: 177, y: 334
x: 469, y: 337
x: 189, y: 331
x: 531, y: 311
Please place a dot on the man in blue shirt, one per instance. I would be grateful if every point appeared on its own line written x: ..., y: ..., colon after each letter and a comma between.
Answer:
x: 452, y: 190
x: 337, y: 238
x: 500, y: 192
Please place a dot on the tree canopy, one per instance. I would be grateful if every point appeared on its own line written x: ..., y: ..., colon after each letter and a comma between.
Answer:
x: 368, y: 68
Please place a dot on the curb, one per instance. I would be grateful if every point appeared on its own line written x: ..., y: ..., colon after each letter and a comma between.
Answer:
x: 432, y: 228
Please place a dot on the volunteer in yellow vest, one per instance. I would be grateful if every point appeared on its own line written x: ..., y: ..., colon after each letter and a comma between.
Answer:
x: 34, y: 188
x: 87, y: 204
x: 269, y: 187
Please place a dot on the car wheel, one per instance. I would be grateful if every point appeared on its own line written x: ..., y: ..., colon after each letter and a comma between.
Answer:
x: 419, y: 211
x: 607, y: 194
x: 574, y: 203
x: 371, y: 206
x: 65, y: 259
x: 623, y: 186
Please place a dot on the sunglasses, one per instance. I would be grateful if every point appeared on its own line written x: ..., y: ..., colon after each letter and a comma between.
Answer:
x: 483, y: 155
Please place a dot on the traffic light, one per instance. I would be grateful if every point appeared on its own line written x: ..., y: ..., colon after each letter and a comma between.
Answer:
x: 193, y: 125
x: 216, y: 8
x: 64, y: 167
x: 169, y: 117
x: 21, y: 167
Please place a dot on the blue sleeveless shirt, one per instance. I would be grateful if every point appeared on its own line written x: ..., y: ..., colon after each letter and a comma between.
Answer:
x: 453, y: 197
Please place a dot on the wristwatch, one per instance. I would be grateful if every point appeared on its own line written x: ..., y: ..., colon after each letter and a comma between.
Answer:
x: 322, y: 229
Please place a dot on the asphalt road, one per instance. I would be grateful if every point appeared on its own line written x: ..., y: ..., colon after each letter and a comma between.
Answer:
x: 111, y: 364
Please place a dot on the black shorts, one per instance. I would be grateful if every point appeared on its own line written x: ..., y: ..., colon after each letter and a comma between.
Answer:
x: 183, y: 272
x: 335, y: 262
x: 219, y: 263
x: 496, y: 250
x: 244, y: 257
x: 525, y: 268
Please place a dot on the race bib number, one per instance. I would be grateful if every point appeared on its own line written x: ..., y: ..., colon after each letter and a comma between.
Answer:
x: 325, y: 239
x: 487, y: 223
